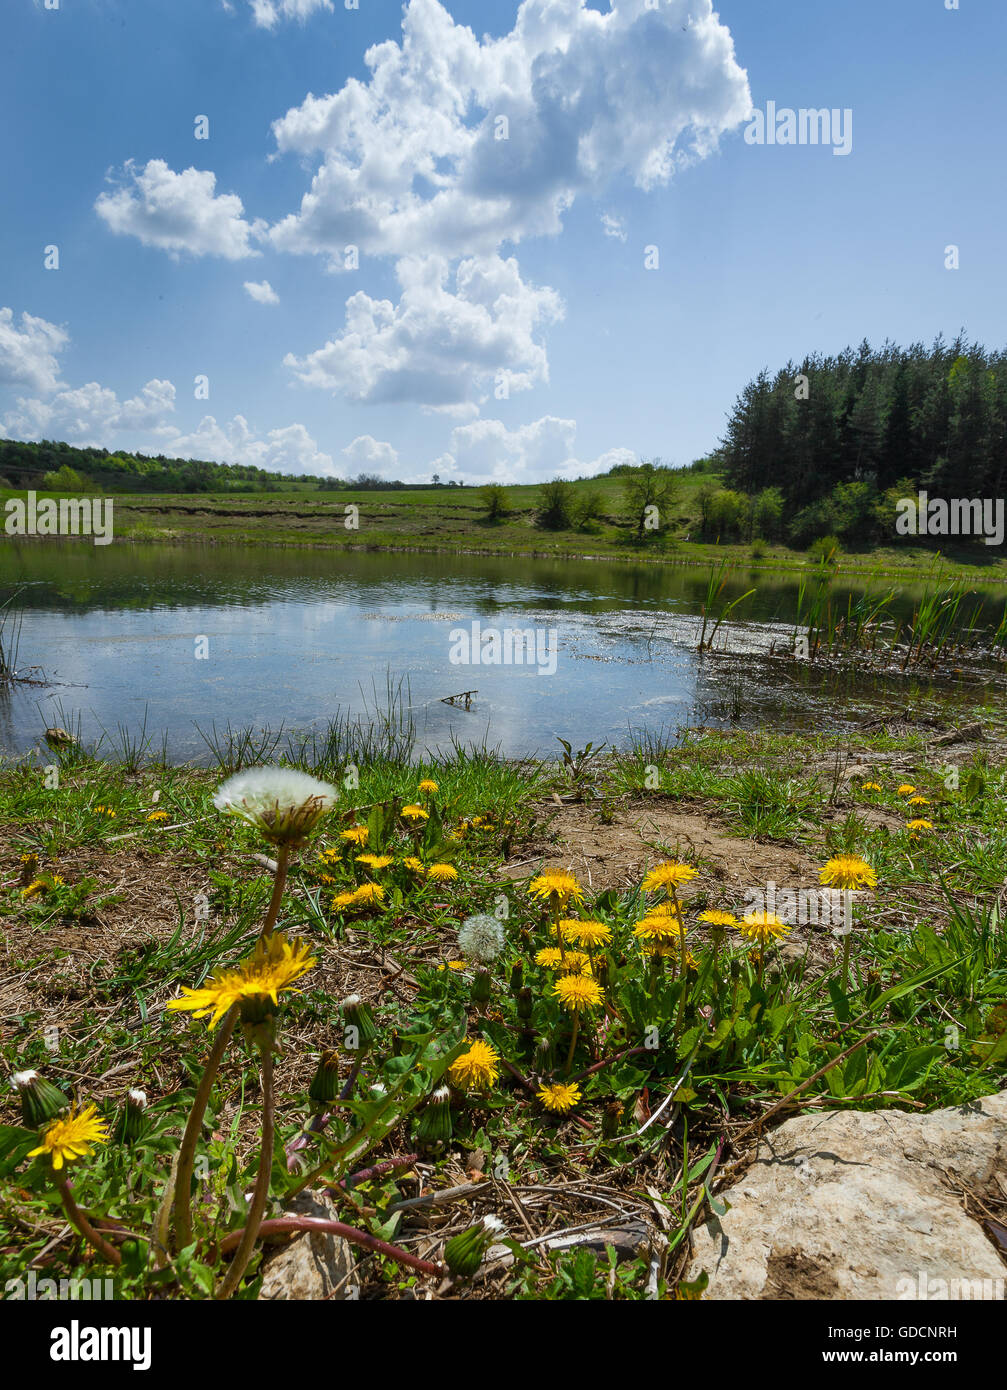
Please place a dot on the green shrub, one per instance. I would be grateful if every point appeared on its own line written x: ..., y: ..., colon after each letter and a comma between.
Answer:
x: 556, y: 505
x: 826, y: 549
x: 494, y: 499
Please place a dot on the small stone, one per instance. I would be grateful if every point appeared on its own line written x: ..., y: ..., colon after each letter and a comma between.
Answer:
x: 314, y: 1264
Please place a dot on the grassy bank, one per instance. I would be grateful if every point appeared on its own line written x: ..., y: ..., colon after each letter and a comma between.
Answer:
x: 453, y: 519
x: 122, y: 883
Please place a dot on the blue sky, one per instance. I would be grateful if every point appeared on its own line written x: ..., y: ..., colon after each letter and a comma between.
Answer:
x: 501, y: 322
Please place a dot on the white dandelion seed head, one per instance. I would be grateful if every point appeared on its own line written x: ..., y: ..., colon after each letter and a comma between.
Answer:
x: 138, y: 1097
x: 266, y: 787
x: 21, y: 1079
x: 492, y: 1224
x: 280, y: 802
x: 481, y: 938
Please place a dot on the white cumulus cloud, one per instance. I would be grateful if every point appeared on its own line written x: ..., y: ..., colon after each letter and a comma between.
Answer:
x: 261, y: 291
x: 532, y: 453
x: 178, y: 213
x: 90, y: 414
x: 454, y: 145
x: 29, y: 354
x: 287, y: 450
x: 365, y: 454
x: 442, y: 342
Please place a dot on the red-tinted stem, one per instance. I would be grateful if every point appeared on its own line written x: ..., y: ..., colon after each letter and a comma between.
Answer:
x: 337, y: 1228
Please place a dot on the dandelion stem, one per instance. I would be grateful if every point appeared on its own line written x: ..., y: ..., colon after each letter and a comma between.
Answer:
x: 351, y: 1079
x: 377, y: 1170
x: 260, y: 1192
x: 573, y: 1040
x: 847, y: 939
x: 656, y: 965
x: 77, y: 1219
x: 279, y: 880
x: 350, y: 1233
x: 681, y: 1004
x: 193, y: 1126
x: 554, y: 903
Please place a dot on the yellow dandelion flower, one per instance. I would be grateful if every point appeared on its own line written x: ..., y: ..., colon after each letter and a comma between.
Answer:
x: 870, y: 786
x: 586, y: 933
x: 905, y: 789
x: 428, y: 786
x: 669, y: 875
x: 442, y: 873
x: 570, y: 962
x: 271, y: 969
x: 556, y: 883
x: 715, y: 918
x: 576, y: 963
x: 560, y: 1097
x: 29, y: 867
x: 56, y: 880
x: 414, y: 813
x: 477, y: 1068
x: 369, y: 895
x: 576, y: 992
x: 38, y: 885
x: 549, y: 957
x: 342, y: 900
x: 375, y: 861
x: 453, y: 965
x: 918, y: 801
x: 848, y: 871
x: 414, y: 865
x: 157, y: 816
x: 762, y: 927
x: 916, y: 826
x: 356, y: 835
x: 71, y: 1136
x: 654, y: 928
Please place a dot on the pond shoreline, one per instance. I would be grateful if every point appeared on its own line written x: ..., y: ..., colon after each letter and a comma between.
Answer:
x: 737, y: 557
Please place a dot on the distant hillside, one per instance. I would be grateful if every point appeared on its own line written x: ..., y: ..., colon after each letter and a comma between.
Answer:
x: 52, y: 465
x: 28, y: 464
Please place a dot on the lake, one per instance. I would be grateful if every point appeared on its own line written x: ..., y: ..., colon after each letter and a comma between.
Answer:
x: 199, y: 635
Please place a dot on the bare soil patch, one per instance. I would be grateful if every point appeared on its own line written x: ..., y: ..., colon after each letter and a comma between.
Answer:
x: 644, y: 831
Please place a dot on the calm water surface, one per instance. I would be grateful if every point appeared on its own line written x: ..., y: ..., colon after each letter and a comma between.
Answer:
x: 293, y: 637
